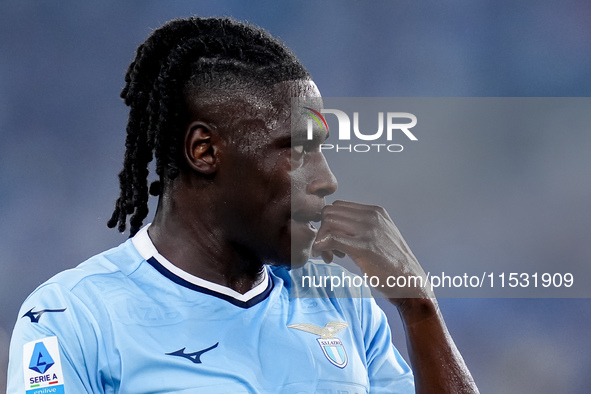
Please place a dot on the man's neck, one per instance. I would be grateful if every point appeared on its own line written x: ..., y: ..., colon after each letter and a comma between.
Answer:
x: 204, y: 254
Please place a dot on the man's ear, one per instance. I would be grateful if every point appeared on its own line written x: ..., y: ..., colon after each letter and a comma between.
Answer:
x: 199, y: 150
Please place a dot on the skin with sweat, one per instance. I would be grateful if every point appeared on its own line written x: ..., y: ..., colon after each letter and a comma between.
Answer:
x: 247, y: 195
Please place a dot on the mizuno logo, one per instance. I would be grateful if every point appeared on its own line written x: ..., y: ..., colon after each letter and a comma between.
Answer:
x: 195, y: 357
x: 35, y: 316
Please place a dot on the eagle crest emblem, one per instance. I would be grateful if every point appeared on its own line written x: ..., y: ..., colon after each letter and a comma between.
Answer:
x: 332, y: 347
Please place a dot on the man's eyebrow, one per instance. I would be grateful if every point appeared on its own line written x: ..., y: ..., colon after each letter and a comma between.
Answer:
x: 317, y: 135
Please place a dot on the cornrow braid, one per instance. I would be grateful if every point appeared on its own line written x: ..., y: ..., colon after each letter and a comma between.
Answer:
x: 180, y: 55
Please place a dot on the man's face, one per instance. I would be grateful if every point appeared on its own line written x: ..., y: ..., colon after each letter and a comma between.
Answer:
x: 272, y: 183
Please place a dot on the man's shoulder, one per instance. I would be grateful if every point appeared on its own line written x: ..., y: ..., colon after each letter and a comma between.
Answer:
x: 119, y: 262
x: 69, y: 313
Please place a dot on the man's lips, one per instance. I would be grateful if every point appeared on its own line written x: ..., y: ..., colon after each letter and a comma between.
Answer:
x: 307, y: 217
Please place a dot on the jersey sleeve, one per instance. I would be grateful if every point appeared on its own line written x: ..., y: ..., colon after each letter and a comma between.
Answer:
x: 387, y: 370
x: 55, y: 344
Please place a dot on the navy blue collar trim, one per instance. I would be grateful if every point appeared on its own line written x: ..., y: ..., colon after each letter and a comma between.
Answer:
x: 180, y: 281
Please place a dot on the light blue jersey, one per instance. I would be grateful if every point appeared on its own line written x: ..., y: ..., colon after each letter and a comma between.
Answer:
x: 129, y: 321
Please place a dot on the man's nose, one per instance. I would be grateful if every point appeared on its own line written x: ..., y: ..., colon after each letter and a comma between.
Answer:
x: 323, y: 182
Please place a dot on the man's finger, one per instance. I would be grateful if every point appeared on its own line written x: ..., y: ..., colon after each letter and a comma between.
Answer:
x: 341, y: 225
x: 334, y: 241
x: 358, y: 206
x: 338, y: 253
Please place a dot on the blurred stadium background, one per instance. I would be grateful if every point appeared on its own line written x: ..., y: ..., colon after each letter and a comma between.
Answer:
x: 62, y: 140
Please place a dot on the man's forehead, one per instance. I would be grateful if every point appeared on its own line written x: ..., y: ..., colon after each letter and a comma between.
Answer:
x: 293, y: 97
x: 298, y: 88
x: 279, y: 108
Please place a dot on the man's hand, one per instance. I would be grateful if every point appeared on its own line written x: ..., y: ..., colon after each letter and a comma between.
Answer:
x: 369, y: 236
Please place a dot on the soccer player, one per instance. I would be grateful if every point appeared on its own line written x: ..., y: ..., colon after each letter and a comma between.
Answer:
x: 201, y: 299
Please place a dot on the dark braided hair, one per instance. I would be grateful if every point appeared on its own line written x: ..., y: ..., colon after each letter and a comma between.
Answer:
x: 186, y: 55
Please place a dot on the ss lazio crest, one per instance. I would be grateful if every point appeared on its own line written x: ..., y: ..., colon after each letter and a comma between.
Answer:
x: 332, y: 347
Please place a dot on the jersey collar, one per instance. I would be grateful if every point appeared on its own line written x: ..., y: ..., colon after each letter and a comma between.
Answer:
x: 142, y: 242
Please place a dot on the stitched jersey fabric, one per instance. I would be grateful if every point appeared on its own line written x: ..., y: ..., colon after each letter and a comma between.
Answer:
x: 129, y: 321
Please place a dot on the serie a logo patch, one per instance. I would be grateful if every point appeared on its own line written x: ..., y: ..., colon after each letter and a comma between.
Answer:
x: 42, y: 367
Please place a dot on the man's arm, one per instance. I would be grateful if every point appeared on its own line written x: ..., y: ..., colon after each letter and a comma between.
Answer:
x: 54, y: 345
x: 437, y: 364
x: 370, y: 238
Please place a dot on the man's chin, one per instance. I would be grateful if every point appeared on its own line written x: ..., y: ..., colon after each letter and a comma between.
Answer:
x: 300, y: 258
x: 288, y: 265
